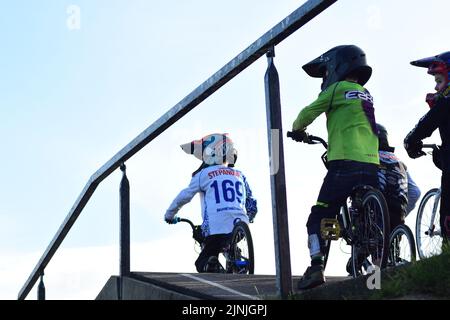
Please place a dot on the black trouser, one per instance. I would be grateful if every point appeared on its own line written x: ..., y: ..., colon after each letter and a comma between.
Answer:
x: 213, y: 245
x: 342, y: 177
x: 445, y: 203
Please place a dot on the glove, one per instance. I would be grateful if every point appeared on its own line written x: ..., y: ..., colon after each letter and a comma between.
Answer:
x: 299, y: 136
x: 437, y: 157
x: 431, y: 99
x: 171, y: 221
x: 251, y: 217
x: 414, y: 149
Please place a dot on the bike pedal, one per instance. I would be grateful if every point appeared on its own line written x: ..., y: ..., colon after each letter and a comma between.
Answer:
x: 330, y: 229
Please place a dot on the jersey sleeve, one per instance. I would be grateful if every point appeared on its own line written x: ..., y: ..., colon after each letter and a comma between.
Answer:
x: 413, y: 194
x: 184, y: 197
x: 251, y: 205
x: 315, y: 109
x: 429, y: 122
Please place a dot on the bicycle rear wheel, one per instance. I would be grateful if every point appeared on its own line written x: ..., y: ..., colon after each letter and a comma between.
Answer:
x: 370, y: 239
x: 240, y: 256
x: 402, y: 248
x: 326, y: 252
x: 428, y: 230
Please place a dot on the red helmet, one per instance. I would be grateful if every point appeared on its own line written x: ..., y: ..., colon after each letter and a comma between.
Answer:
x: 439, y: 64
x: 436, y: 64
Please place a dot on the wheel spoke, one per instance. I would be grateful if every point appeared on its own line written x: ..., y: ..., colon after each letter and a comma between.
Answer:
x: 428, y: 244
x: 368, y: 248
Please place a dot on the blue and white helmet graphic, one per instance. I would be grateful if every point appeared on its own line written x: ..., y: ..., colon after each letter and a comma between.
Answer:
x: 212, y: 149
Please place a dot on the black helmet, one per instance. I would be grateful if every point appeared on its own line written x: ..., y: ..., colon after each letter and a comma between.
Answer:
x: 439, y: 64
x: 433, y: 62
x: 340, y: 62
x: 383, y: 142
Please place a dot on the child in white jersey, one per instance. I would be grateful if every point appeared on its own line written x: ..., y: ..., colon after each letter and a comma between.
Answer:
x: 224, y: 192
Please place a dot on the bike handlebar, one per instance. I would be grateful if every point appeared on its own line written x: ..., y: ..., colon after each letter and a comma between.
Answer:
x: 178, y: 219
x: 429, y: 146
x: 310, y: 139
x: 318, y: 140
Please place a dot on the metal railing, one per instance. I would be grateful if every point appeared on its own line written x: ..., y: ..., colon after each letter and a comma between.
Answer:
x: 264, y: 45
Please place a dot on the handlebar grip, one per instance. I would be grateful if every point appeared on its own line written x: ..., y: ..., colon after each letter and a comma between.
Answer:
x: 175, y: 220
x: 294, y: 135
x: 429, y: 146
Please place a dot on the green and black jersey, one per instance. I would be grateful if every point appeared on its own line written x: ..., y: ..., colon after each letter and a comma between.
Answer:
x: 350, y: 122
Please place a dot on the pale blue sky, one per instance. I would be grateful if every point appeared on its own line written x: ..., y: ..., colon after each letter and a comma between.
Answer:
x: 69, y: 100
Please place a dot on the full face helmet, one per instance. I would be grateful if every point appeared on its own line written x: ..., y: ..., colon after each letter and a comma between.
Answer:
x: 216, y: 148
x: 338, y: 63
x: 439, y: 64
x: 383, y: 139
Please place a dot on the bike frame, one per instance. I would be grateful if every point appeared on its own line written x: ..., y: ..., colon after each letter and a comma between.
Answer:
x: 431, y: 231
x: 345, y: 214
x: 225, y: 251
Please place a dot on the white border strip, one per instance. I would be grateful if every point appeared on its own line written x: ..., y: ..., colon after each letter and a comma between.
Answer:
x: 219, y: 286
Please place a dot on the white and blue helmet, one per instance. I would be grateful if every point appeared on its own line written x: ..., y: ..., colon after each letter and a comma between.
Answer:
x: 215, y: 148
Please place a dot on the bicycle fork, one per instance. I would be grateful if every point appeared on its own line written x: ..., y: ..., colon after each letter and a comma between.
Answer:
x: 431, y: 231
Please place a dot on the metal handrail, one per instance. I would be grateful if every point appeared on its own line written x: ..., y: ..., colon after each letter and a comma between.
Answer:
x: 274, y: 36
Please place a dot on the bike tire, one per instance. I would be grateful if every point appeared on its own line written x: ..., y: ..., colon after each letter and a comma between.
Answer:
x: 240, y: 232
x: 372, y: 200
x: 326, y: 252
x: 421, y: 237
x: 401, y: 255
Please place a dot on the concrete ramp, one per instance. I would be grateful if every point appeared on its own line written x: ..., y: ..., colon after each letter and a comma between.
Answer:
x: 193, y: 286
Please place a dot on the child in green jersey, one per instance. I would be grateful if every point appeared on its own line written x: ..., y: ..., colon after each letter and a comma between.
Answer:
x: 352, y: 141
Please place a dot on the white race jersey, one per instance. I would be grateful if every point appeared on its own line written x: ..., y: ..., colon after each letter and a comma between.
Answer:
x: 224, y: 193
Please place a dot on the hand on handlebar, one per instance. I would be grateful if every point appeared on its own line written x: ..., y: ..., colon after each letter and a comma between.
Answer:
x: 299, y: 136
x: 172, y: 221
x: 414, y: 150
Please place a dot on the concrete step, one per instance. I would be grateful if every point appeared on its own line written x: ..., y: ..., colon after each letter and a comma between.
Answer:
x: 187, y: 286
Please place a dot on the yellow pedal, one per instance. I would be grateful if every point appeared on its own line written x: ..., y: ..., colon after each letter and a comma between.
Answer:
x: 330, y: 229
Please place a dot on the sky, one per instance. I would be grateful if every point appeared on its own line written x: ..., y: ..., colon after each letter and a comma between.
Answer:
x: 80, y: 79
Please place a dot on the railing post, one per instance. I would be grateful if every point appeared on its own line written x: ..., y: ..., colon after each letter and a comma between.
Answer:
x: 41, y: 288
x: 124, y: 227
x: 277, y: 178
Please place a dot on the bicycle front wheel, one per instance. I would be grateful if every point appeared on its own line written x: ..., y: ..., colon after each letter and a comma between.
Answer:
x: 402, y: 248
x: 370, y: 241
x: 428, y: 230
x: 241, y: 257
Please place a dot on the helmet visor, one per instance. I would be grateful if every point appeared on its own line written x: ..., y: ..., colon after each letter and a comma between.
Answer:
x: 213, y: 148
x: 316, y: 68
x: 424, y: 63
